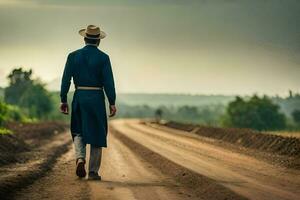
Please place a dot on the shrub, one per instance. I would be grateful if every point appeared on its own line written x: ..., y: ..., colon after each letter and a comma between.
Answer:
x: 3, y: 113
x: 10, y: 113
x: 4, y: 131
x: 296, y: 116
x: 256, y: 113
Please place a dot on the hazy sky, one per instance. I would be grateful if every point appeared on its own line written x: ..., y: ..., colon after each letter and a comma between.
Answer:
x: 174, y: 46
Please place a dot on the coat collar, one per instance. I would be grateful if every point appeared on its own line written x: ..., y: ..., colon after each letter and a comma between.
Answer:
x: 91, y: 45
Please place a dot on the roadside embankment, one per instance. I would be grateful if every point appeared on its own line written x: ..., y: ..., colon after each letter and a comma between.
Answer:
x: 28, y: 153
x: 283, y: 150
x: 289, y: 146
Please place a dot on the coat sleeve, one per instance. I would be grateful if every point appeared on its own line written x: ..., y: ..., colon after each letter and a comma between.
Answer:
x: 108, y: 82
x: 66, y: 80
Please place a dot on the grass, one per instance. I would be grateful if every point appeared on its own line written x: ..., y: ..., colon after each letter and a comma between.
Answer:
x: 4, y: 131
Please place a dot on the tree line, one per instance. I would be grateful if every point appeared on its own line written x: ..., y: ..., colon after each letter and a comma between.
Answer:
x: 26, y: 99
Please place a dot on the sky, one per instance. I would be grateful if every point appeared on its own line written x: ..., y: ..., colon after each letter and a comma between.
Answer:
x: 161, y: 46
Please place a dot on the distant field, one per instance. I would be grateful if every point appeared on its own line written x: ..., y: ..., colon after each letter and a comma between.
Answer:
x: 287, y: 105
x: 155, y: 100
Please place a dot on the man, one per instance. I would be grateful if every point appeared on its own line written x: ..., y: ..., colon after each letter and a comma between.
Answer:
x: 91, y: 71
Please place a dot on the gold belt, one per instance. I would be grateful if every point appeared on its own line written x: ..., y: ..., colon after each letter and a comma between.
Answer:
x: 88, y: 88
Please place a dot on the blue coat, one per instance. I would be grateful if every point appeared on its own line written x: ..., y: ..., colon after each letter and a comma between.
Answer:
x: 89, y: 66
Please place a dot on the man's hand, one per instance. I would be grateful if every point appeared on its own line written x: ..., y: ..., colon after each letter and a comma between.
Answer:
x: 112, y: 110
x: 64, y: 108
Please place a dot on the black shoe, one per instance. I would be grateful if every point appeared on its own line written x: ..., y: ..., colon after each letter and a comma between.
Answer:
x: 80, y: 168
x: 94, y: 176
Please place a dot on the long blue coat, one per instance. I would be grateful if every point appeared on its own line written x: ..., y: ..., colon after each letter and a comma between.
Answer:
x: 89, y: 66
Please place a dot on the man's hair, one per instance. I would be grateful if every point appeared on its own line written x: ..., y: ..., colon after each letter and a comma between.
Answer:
x: 91, y: 41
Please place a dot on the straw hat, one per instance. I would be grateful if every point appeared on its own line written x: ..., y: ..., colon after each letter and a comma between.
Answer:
x: 92, y: 32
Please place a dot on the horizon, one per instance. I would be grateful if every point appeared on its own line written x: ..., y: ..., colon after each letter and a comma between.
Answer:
x: 191, y: 94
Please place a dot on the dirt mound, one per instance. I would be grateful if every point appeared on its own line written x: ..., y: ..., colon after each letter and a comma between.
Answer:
x: 248, y: 138
x: 10, y: 145
x: 14, y: 147
x: 41, y: 130
x: 27, y: 153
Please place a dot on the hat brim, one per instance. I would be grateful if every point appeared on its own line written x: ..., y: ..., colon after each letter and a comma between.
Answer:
x: 83, y: 34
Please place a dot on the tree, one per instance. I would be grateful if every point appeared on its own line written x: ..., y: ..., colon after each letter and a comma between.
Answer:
x: 296, y: 116
x: 158, y: 114
x: 257, y: 113
x: 19, y: 81
x: 28, y: 93
x: 37, y: 100
x: 188, y: 111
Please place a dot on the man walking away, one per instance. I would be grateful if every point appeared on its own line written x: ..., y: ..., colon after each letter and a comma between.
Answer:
x: 92, y: 75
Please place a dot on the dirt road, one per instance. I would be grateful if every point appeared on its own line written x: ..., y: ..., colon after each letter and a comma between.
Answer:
x: 243, y: 174
x: 126, y: 175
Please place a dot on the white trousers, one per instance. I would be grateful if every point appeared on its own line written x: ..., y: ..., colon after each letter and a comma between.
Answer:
x: 95, y: 154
